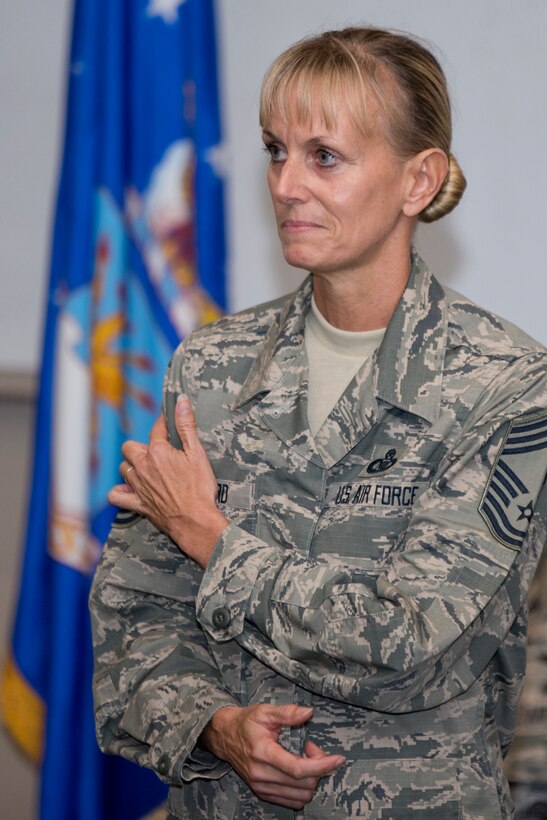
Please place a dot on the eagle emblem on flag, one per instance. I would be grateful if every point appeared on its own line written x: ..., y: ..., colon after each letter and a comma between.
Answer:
x: 507, y: 504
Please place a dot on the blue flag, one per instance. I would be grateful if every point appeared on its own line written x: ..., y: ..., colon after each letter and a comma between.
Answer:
x: 137, y: 263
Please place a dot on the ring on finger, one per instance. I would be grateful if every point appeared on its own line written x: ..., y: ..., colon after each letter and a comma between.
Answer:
x: 127, y: 473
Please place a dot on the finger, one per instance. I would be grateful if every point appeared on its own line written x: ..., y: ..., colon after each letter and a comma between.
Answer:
x: 121, y: 495
x: 270, y: 784
x: 287, y: 714
x: 312, y: 750
x: 296, y: 805
x: 128, y: 473
x: 285, y: 796
x: 270, y: 778
x: 301, y: 767
x: 185, y: 422
x: 159, y: 431
x: 133, y: 450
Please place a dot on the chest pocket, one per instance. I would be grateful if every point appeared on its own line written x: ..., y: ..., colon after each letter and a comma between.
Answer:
x: 236, y: 500
x: 364, y: 519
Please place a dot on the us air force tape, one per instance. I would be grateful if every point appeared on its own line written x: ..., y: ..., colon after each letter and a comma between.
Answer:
x: 507, y: 504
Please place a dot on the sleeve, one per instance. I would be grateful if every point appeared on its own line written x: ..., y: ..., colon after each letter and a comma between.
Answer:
x: 527, y: 758
x: 423, y: 627
x: 156, y: 684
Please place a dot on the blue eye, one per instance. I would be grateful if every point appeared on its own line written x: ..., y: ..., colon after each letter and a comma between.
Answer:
x: 275, y: 153
x: 326, y: 158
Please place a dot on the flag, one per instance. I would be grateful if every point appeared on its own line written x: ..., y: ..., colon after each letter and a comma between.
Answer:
x: 137, y: 263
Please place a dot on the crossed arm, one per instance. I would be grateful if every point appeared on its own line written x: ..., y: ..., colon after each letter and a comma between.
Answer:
x: 245, y: 737
x: 405, y: 601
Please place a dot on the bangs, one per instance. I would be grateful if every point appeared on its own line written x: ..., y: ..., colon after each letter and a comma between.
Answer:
x: 302, y: 86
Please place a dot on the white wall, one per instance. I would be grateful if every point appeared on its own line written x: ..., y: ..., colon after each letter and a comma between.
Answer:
x: 492, y: 248
x: 33, y: 42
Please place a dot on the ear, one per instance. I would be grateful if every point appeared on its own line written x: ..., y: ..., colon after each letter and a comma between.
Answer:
x: 427, y: 172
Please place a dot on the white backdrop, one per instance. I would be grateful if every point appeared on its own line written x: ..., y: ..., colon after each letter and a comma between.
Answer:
x: 492, y: 248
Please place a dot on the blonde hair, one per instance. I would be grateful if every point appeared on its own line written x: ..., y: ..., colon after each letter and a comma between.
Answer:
x: 355, y: 67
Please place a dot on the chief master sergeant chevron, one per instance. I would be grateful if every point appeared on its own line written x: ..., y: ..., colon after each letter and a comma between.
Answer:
x: 317, y: 607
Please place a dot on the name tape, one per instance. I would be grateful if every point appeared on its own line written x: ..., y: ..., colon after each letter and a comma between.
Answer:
x: 235, y: 494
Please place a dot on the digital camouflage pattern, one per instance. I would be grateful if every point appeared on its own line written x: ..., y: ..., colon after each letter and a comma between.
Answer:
x: 360, y: 574
x: 526, y: 764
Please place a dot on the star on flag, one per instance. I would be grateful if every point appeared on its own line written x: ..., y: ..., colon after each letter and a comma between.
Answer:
x: 167, y: 9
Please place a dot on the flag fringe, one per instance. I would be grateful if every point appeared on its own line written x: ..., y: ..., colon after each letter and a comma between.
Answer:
x: 22, y: 711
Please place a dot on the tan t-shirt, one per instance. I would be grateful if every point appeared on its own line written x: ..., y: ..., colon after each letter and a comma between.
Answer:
x: 334, y: 357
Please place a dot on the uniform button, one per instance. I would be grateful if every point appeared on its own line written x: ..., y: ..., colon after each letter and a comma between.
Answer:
x: 221, y: 617
x: 163, y: 764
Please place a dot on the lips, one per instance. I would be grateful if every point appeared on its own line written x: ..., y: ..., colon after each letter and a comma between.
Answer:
x: 295, y: 225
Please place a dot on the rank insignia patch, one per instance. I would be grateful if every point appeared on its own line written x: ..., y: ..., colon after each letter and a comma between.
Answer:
x: 507, y: 504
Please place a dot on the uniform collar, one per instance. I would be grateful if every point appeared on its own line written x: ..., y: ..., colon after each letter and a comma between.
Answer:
x: 283, y: 343
x: 406, y: 371
x: 411, y: 356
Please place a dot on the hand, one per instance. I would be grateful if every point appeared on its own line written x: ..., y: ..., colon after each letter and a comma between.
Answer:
x: 174, y: 489
x: 247, y: 737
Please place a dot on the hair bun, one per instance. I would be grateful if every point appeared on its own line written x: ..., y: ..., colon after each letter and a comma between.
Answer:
x: 449, y: 194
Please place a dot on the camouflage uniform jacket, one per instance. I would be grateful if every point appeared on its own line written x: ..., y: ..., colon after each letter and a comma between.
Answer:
x: 377, y: 573
x: 527, y: 760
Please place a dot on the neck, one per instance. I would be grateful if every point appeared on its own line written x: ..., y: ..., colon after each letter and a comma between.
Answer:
x: 364, y: 299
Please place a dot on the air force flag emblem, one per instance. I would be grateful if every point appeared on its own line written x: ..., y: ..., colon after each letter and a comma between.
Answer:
x: 507, y: 504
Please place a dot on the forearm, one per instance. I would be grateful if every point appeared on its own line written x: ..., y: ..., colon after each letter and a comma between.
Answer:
x: 171, y: 748
x: 388, y: 640
x: 212, y: 737
x: 156, y: 684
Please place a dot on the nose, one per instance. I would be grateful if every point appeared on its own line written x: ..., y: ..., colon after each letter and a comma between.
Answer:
x: 288, y: 181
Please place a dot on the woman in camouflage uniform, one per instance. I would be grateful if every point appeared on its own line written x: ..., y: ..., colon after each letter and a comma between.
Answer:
x: 316, y: 607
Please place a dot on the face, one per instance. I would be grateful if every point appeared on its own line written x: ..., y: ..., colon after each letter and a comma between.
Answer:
x: 338, y: 195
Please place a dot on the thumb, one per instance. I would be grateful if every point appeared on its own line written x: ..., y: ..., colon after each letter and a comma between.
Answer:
x: 292, y: 715
x: 185, y: 422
